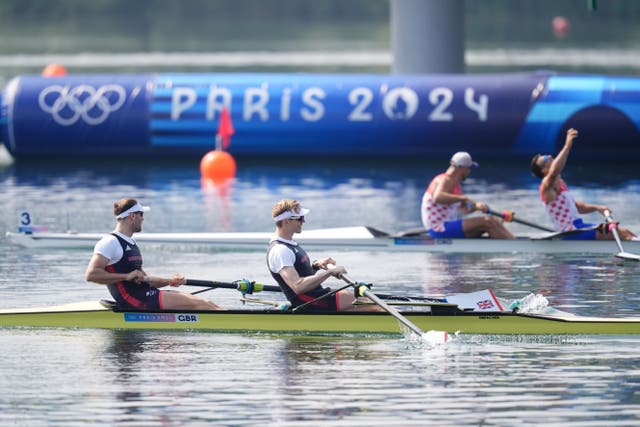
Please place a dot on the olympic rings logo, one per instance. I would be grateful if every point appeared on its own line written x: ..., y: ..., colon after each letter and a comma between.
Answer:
x: 67, y: 105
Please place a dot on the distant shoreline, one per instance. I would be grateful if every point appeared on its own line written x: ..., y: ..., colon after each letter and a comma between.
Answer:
x: 544, y: 57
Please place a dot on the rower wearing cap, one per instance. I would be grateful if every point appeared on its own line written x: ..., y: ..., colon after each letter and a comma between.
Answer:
x: 298, y: 277
x: 117, y: 263
x: 443, y: 201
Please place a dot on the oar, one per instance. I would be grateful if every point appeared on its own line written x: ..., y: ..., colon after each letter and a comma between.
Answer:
x: 510, y: 216
x: 432, y: 337
x: 409, y: 298
x: 613, y: 227
x: 245, y: 286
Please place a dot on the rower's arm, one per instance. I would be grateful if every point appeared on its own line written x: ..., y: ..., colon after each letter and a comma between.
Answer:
x: 97, y: 273
x: 585, y: 208
x: 559, y: 162
x: 547, y: 187
x: 443, y: 193
x: 301, y: 285
x: 160, y: 282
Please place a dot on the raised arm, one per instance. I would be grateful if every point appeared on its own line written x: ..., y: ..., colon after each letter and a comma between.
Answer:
x: 557, y: 166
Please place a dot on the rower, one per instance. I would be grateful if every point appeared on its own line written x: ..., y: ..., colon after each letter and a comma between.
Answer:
x: 300, y: 279
x: 117, y: 263
x: 563, y: 210
x: 443, y: 202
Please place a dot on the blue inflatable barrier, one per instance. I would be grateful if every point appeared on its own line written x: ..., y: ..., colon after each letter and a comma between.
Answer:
x: 491, y: 116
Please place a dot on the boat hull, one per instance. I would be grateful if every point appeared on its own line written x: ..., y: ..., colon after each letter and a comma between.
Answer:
x: 348, y: 238
x: 92, y: 315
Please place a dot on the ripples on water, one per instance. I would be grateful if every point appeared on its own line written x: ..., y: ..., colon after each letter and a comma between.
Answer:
x: 145, y: 378
x: 67, y: 377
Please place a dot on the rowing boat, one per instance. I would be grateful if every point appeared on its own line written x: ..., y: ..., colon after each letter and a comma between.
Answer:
x: 345, y: 238
x: 445, y: 317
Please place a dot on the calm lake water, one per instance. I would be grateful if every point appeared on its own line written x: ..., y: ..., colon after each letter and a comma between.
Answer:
x: 76, y: 377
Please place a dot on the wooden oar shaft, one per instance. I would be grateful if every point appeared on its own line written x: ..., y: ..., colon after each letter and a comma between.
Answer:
x: 512, y: 217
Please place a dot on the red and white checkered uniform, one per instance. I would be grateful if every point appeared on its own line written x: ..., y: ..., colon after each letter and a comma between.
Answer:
x: 434, y: 215
x: 562, y: 210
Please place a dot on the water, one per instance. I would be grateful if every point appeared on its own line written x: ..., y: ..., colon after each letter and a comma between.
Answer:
x: 73, y: 377
x: 140, y: 378
x: 60, y: 377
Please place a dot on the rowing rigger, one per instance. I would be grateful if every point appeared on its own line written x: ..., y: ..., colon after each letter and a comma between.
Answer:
x: 343, y: 238
x: 473, y: 313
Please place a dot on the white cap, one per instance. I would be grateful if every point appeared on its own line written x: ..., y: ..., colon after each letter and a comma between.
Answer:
x: 291, y: 214
x: 463, y: 159
x: 135, y: 208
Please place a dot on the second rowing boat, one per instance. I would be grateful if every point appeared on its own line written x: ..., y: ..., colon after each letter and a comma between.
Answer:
x: 345, y: 238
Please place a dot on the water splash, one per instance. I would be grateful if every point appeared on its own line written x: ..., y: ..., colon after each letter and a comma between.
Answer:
x: 532, y: 303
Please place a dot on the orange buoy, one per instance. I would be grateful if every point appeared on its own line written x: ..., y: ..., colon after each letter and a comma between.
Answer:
x: 54, y: 70
x: 217, y: 165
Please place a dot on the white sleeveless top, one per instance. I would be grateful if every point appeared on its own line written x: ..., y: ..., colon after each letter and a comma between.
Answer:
x: 434, y: 215
x: 562, y: 211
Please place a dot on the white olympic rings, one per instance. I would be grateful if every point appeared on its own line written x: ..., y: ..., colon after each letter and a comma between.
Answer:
x: 83, y: 101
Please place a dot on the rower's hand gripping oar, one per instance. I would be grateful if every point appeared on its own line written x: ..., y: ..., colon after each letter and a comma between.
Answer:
x: 244, y: 286
x: 613, y: 227
x: 432, y: 337
x: 510, y: 216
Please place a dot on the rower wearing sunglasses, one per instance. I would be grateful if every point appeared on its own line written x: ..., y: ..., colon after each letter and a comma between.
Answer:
x: 117, y: 263
x: 563, y: 210
x: 299, y: 278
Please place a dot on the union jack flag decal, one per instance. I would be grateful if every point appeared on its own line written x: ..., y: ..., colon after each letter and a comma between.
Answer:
x: 485, y: 304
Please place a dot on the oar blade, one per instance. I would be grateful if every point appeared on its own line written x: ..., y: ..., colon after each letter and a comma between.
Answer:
x: 628, y: 256
x: 434, y: 338
x: 613, y: 227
